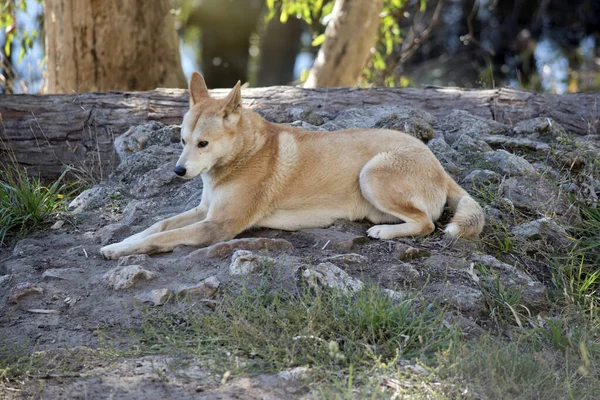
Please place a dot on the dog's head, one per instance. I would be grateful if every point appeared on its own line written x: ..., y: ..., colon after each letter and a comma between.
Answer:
x: 208, y: 128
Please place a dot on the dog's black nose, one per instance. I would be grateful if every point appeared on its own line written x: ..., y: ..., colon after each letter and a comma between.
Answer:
x: 179, y: 170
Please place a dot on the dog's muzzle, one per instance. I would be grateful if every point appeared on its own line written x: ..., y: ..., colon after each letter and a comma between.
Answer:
x: 179, y: 170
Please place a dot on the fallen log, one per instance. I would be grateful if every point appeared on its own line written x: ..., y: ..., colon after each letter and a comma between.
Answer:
x: 45, y: 133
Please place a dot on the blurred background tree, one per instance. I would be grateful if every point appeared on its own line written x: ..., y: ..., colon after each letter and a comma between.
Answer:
x: 542, y: 45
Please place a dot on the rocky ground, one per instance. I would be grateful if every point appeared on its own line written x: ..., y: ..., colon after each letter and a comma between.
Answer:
x: 58, y: 292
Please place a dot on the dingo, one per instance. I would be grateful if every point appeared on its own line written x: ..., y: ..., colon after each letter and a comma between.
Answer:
x: 259, y: 174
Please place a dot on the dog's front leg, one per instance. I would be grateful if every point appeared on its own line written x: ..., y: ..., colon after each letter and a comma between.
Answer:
x: 200, y: 234
x: 178, y: 221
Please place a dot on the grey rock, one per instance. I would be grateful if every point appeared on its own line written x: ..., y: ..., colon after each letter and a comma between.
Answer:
x: 141, y: 137
x: 91, y: 198
x: 28, y: 247
x: 134, y: 259
x: 405, y: 252
x: 204, y: 290
x: 328, y: 275
x: 5, y: 279
x: 543, y: 229
x: 459, y: 123
x: 348, y: 258
x: 416, y: 123
x: 244, y: 262
x: 510, y: 164
x: 156, y: 297
x: 449, y: 158
x: 126, y: 276
x: 479, y: 178
x: 516, y: 143
x: 466, y: 144
x: 542, y: 126
x: 112, y: 233
x: 538, y: 196
x: 63, y: 274
x: 466, y: 299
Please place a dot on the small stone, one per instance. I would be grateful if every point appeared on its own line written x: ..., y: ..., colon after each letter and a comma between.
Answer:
x: 244, y: 262
x: 348, y: 258
x: 205, y: 289
x: 328, y: 275
x: 134, y: 259
x: 224, y: 249
x: 57, y: 225
x: 125, y: 277
x: 394, y: 295
x: 331, y: 239
x: 416, y: 123
x: 157, y: 297
x: 5, y: 278
x: 297, y: 373
x: 23, y: 289
x: 312, y: 118
x: 405, y: 252
x: 67, y: 274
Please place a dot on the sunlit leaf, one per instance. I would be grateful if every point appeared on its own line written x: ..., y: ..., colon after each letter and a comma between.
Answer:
x: 284, y: 16
x: 318, y: 40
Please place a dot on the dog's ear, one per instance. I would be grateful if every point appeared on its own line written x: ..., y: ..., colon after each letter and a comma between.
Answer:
x: 233, y: 102
x: 198, y: 89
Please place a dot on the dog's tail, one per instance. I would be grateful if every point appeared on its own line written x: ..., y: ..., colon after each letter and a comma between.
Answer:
x: 468, y: 219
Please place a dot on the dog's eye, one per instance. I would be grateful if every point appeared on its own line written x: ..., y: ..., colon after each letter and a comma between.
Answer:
x: 202, y: 143
x: 183, y: 142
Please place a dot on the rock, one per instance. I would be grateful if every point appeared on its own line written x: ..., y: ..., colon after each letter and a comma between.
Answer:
x: 416, y: 123
x: 449, y: 158
x: 224, y: 249
x: 331, y: 239
x: 465, y: 144
x: 244, y: 262
x: 205, y: 289
x: 394, y: 295
x: 76, y: 251
x: 510, y: 164
x: 5, y: 279
x: 542, y: 126
x: 57, y: 225
x: 134, y: 259
x: 298, y: 373
x: 156, y: 297
x: 479, y: 178
x: 312, y: 118
x: 112, y: 233
x: 407, y: 273
x: 405, y: 252
x: 28, y: 247
x: 328, y: 275
x: 62, y: 274
x: 545, y: 229
x: 348, y: 258
x: 140, y: 137
x: 466, y: 299
x: 21, y: 290
x: 126, y: 276
x: 516, y: 143
x: 91, y: 198
x: 459, y: 123
x: 540, y: 197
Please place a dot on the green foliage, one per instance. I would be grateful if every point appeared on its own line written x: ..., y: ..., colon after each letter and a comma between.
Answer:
x: 8, y: 22
x: 379, y: 68
x: 25, y: 203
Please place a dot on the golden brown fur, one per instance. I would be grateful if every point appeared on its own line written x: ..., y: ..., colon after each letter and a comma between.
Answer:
x: 259, y: 174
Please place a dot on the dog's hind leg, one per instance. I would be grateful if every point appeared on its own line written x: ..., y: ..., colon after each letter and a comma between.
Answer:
x: 398, y: 186
x: 186, y: 218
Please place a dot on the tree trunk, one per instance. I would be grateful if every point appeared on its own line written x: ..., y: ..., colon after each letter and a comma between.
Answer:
x: 47, y: 132
x: 348, y: 40
x: 279, y: 48
x: 100, y: 45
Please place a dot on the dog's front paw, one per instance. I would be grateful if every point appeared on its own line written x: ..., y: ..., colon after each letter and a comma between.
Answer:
x: 382, y: 232
x: 115, y: 251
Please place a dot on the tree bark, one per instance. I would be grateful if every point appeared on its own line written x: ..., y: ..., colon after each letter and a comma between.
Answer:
x: 100, y: 45
x: 348, y: 40
x: 47, y: 132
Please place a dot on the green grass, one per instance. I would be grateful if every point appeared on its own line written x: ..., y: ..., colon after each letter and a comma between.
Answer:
x: 26, y: 204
